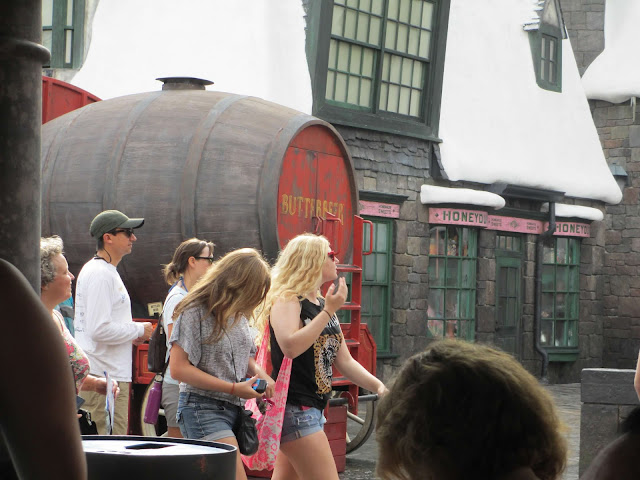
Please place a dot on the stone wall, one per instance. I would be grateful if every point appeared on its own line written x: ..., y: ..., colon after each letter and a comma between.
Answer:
x: 608, y: 397
x: 619, y: 130
x: 620, y: 138
x: 584, y: 20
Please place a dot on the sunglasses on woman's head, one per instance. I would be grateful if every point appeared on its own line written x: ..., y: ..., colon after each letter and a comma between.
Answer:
x: 332, y: 255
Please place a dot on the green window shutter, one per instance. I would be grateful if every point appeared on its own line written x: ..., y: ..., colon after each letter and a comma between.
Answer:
x: 452, y: 282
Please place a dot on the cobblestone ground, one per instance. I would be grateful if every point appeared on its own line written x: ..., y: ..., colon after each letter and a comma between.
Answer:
x: 361, y: 463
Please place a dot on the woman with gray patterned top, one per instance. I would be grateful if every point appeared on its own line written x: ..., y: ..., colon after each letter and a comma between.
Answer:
x: 212, y: 350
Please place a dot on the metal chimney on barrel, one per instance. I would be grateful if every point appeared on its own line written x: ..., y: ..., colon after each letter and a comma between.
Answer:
x: 184, y: 83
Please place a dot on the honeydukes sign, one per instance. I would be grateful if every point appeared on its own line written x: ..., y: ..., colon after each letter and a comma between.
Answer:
x: 479, y: 219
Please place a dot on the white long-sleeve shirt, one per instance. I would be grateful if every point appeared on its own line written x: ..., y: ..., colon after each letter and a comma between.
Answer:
x: 103, y: 323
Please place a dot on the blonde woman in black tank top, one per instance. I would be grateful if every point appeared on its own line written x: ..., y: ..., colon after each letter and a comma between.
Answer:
x: 305, y: 328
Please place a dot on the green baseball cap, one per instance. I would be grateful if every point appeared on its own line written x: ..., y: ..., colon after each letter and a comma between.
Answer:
x: 111, y: 219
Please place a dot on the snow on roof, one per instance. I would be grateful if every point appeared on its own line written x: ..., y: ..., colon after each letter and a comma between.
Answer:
x: 498, y: 125
x: 575, y: 211
x: 614, y: 76
x: 249, y: 47
x: 434, y: 194
x: 534, y: 22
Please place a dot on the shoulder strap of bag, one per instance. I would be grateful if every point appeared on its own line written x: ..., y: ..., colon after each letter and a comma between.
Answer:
x: 163, y: 333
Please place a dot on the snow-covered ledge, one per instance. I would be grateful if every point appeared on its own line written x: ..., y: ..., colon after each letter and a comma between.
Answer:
x: 432, y: 194
x: 575, y: 211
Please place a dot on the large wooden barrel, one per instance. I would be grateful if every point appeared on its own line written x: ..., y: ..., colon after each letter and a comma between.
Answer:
x: 236, y: 170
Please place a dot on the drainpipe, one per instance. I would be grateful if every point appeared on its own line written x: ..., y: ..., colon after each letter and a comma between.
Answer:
x: 538, y: 298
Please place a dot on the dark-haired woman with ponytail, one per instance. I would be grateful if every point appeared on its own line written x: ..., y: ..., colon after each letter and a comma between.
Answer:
x: 190, y: 261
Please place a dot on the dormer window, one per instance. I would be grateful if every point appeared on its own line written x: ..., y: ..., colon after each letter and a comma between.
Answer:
x: 62, y: 32
x: 546, y: 31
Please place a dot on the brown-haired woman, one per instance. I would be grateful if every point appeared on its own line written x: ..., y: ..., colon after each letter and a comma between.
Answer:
x: 190, y: 261
x: 213, y: 350
x: 461, y: 410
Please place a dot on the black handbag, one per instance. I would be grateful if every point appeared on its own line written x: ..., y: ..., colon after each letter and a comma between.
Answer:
x: 246, y: 432
x: 157, y: 353
x: 87, y: 426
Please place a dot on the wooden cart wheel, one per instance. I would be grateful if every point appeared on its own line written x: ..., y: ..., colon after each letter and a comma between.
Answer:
x: 148, y: 430
x: 359, y: 427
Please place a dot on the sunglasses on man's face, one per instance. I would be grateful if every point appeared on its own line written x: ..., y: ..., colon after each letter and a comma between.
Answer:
x: 209, y: 259
x: 332, y: 255
x: 127, y: 231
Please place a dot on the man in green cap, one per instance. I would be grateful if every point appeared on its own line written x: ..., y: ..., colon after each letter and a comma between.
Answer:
x: 104, y: 326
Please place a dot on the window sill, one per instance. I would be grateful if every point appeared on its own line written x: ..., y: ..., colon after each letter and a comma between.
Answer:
x: 384, y: 355
x: 563, y: 355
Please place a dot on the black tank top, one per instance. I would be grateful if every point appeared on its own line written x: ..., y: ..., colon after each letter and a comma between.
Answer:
x: 311, y: 373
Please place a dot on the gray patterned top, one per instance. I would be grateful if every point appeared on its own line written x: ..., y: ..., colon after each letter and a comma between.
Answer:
x: 226, y: 359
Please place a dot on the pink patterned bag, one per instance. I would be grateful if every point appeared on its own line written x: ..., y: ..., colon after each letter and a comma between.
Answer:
x: 269, y: 424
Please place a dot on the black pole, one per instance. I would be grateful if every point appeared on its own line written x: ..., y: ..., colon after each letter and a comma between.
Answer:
x: 538, y: 300
x: 21, y: 60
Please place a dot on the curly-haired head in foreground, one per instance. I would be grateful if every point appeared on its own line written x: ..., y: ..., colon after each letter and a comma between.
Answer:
x: 459, y: 410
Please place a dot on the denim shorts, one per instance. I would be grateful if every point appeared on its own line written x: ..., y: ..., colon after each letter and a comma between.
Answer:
x: 300, y: 422
x: 204, y: 418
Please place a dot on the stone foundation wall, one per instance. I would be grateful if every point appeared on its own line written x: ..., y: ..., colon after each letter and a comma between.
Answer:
x: 607, y: 398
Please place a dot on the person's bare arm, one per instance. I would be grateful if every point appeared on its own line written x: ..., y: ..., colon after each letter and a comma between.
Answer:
x: 183, y: 371
x: 285, y: 321
x: 355, y: 372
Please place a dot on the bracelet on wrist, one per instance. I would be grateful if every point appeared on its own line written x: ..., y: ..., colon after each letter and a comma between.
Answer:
x: 233, y: 385
x: 327, y: 312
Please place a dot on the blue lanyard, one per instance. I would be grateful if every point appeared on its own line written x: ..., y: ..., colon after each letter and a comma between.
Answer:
x: 176, y: 283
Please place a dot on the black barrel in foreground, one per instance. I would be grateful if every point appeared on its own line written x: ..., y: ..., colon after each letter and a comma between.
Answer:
x: 127, y: 457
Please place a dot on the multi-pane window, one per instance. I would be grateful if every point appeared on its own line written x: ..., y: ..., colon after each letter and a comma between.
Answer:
x: 549, y: 59
x: 546, y: 47
x: 364, y: 33
x: 62, y: 30
x: 452, y: 282
x: 560, y: 293
x: 381, y: 64
x: 376, y: 282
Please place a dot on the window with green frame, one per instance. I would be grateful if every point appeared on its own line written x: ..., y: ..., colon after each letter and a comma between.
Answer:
x: 62, y: 32
x: 560, y: 296
x: 546, y: 48
x: 379, y: 63
x: 452, y: 282
x: 376, y: 283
